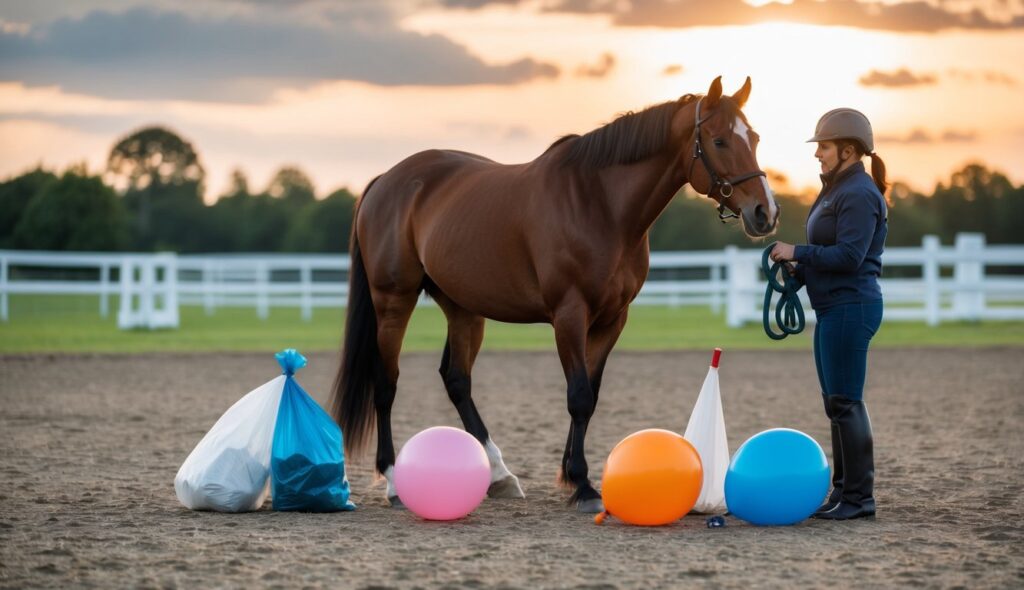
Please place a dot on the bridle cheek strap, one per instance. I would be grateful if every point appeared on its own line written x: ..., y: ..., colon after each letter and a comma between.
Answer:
x: 723, y: 187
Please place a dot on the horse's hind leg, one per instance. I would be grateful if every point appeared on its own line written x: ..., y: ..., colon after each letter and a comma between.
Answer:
x: 465, y: 335
x: 393, y: 312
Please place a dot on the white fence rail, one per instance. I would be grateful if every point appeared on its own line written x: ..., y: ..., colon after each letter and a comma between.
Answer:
x: 954, y: 282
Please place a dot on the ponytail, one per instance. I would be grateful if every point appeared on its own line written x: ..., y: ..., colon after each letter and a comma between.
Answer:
x: 877, y: 165
x: 878, y: 173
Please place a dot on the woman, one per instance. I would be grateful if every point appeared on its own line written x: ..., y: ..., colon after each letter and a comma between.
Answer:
x: 840, y: 265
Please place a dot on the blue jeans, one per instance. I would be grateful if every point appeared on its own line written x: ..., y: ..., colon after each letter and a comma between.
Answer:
x: 841, y: 339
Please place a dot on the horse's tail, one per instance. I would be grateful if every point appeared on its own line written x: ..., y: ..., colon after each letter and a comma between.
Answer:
x: 352, y: 396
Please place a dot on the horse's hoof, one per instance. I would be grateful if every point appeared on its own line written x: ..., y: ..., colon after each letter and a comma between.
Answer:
x: 396, y: 502
x: 506, y: 487
x: 591, y: 506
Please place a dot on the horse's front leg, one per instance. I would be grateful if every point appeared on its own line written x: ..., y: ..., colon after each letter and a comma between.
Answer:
x: 600, y: 341
x: 570, y: 338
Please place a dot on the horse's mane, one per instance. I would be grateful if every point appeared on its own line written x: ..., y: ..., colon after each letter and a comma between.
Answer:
x: 631, y: 137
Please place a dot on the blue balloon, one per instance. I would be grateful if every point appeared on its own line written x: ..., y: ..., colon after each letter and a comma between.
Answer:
x: 777, y: 477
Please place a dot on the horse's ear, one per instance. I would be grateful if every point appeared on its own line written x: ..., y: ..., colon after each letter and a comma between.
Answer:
x: 743, y: 94
x: 714, y: 93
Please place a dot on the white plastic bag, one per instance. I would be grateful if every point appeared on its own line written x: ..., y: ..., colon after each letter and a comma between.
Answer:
x: 229, y: 470
x: 706, y: 432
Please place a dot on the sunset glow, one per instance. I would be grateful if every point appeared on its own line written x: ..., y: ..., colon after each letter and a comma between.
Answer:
x: 936, y: 99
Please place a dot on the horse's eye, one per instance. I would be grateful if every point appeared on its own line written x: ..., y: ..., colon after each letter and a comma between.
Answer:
x: 719, y: 142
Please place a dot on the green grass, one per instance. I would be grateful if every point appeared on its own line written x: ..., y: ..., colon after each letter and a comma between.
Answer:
x: 73, y: 324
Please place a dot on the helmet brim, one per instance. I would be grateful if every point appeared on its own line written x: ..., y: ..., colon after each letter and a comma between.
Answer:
x: 817, y: 138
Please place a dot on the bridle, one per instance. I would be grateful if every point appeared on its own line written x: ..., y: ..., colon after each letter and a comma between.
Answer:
x: 723, y: 186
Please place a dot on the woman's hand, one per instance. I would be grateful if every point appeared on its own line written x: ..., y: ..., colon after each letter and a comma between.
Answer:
x: 782, y: 252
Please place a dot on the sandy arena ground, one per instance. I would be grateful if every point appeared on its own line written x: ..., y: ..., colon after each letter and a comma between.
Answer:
x: 90, y: 446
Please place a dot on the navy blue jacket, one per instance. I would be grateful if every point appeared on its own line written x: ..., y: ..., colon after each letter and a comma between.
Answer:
x: 846, y: 230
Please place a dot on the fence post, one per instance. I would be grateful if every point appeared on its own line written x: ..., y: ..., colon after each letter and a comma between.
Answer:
x: 3, y: 288
x: 716, y: 288
x: 262, y: 282
x: 208, y: 287
x: 968, y: 277
x: 104, y: 286
x: 171, y: 312
x: 930, y: 271
x: 147, y: 296
x: 739, y: 303
x: 306, y: 276
x: 125, y: 316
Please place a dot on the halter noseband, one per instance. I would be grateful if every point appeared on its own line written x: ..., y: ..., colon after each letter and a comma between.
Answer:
x: 723, y: 186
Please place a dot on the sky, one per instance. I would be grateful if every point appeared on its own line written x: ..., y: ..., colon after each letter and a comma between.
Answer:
x: 345, y: 89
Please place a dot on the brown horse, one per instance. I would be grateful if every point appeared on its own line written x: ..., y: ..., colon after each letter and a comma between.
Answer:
x: 560, y: 240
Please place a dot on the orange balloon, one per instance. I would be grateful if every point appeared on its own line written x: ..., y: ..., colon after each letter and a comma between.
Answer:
x: 652, y: 477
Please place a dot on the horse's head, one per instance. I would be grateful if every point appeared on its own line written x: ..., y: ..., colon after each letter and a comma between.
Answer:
x: 720, y: 159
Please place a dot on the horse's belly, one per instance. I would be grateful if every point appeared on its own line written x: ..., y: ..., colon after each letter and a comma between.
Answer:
x: 514, y: 314
x: 496, y: 300
x: 501, y: 288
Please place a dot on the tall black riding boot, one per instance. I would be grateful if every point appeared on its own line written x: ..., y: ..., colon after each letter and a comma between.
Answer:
x: 857, y: 498
x: 837, y: 469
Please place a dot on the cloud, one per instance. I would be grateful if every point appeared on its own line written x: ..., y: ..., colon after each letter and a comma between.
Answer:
x: 904, y: 77
x: 899, y: 78
x: 672, y: 70
x: 598, y: 70
x: 989, y: 76
x: 951, y: 136
x: 490, y: 131
x: 143, y: 53
x: 999, y: 78
x: 912, y: 16
x: 920, y: 136
x: 85, y: 123
x: 518, y: 133
x: 14, y: 28
x: 585, y: 6
x: 474, y: 3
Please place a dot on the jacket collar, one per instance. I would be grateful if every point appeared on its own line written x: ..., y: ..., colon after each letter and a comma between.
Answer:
x: 842, y: 175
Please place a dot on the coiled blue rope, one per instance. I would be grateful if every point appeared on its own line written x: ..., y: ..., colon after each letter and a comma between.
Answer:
x: 789, y: 313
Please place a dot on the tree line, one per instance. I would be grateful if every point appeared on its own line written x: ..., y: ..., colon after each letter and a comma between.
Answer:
x: 974, y: 199
x: 149, y: 198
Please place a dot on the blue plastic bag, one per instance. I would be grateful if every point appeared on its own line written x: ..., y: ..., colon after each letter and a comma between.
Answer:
x: 307, y: 467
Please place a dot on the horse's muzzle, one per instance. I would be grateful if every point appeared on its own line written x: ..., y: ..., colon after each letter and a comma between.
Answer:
x: 757, y: 223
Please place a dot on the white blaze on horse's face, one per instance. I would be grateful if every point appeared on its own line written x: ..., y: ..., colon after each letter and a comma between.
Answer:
x: 741, y: 129
x: 773, y: 208
x: 743, y: 132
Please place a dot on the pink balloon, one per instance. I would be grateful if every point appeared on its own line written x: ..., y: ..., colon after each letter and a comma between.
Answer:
x: 442, y: 473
